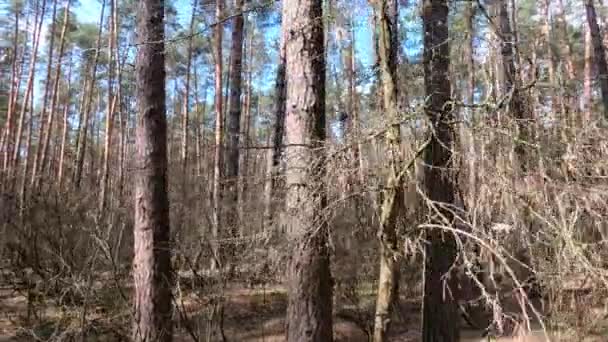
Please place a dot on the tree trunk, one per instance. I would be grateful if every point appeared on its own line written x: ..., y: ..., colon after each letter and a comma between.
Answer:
x: 14, y: 90
x: 54, y: 93
x: 393, y: 200
x: 38, y: 21
x: 599, y: 53
x: 586, y: 98
x: 440, y: 313
x: 152, y: 259
x: 234, y: 124
x: 66, y: 126
x: 309, y: 310
x: 47, y: 92
x: 512, y: 85
x: 273, y: 159
x: 105, y: 170
x: 219, y: 132
x: 88, y: 98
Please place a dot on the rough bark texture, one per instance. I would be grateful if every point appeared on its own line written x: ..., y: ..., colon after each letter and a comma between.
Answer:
x: 393, y: 200
x: 234, y: 122
x: 278, y: 129
x: 440, y: 314
x: 309, y: 311
x: 151, y: 263
x: 512, y: 85
x: 599, y: 53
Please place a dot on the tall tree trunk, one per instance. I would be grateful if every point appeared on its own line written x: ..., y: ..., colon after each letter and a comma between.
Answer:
x: 186, y: 109
x: 88, y: 98
x: 234, y: 123
x: 219, y: 132
x: 470, y: 97
x: 29, y: 88
x: 55, y: 93
x: 599, y: 53
x: 588, y: 71
x: 110, y: 110
x: 440, y: 313
x: 47, y: 93
x: 512, y: 85
x: 393, y: 200
x: 5, y: 145
x: 66, y: 127
x: 152, y: 259
x: 28, y: 155
x: 309, y: 310
x: 273, y: 160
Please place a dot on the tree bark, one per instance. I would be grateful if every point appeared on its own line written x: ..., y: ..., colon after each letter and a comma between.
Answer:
x: 88, y: 98
x: 393, y: 200
x: 38, y: 21
x: 45, y: 99
x: 273, y: 159
x: 152, y: 250
x: 512, y: 85
x: 14, y: 90
x: 66, y: 126
x: 110, y: 110
x: 219, y: 132
x: 309, y: 310
x: 54, y: 92
x: 440, y: 313
x: 599, y: 53
x: 234, y: 124
x: 588, y: 71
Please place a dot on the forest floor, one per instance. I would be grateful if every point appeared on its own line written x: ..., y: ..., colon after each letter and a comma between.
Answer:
x: 251, y: 315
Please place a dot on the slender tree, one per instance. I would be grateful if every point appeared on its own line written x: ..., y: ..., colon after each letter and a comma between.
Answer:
x: 45, y: 99
x: 393, y: 200
x: 29, y: 88
x: 309, y: 310
x: 55, y: 90
x: 110, y: 110
x: 440, y: 313
x: 88, y: 103
x: 273, y: 159
x: 152, y: 250
x: 234, y: 121
x: 599, y: 53
x: 219, y: 130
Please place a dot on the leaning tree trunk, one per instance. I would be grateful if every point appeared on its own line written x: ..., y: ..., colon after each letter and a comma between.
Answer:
x: 440, y: 313
x: 152, y: 251
x: 309, y: 310
x: 393, y: 200
x: 599, y: 53
x: 54, y: 92
x: 234, y: 124
x: 45, y: 99
x: 29, y: 89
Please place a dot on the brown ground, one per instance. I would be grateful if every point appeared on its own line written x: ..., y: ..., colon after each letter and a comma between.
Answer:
x: 250, y: 315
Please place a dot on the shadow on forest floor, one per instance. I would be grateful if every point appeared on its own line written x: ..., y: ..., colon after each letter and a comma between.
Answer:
x: 251, y: 315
